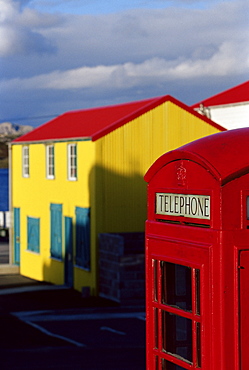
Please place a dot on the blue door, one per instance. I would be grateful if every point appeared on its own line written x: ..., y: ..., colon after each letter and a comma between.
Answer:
x: 69, y: 251
x: 56, y: 230
x: 16, y: 236
x: 33, y: 234
x: 83, y: 237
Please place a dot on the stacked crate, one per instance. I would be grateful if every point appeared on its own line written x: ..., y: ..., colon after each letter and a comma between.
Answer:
x: 122, y: 274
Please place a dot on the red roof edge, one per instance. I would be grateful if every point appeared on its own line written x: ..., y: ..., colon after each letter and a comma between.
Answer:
x: 156, y: 102
x: 236, y: 94
x: 25, y: 138
x: 152, y: 103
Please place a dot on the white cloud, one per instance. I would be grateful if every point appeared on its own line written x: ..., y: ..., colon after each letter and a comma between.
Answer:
x: 140, y: 51
x: 8, y: 9
x: 223, y: 63
x: 20, y: 30
x: 139, y: 35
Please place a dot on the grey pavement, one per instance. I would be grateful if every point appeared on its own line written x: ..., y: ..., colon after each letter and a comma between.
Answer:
x: 44, y: 326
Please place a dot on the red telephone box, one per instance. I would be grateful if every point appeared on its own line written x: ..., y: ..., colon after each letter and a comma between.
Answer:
x: 197, y: 256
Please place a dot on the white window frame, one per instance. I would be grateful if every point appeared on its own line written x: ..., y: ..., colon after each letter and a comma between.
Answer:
x: 50, y: 164
x: 25, y: 161
x: 72, y: 161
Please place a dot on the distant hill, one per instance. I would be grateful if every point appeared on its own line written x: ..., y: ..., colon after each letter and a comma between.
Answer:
x: 8, y: 132
x: 11, y: 129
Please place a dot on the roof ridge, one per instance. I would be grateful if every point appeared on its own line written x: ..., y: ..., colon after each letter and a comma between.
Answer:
x: 152, y: 103
x: 94, y: 123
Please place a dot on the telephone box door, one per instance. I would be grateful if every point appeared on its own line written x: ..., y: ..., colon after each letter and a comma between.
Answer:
x: 177, y: 296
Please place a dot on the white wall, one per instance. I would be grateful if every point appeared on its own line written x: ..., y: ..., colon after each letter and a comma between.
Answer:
x: 230, y: 116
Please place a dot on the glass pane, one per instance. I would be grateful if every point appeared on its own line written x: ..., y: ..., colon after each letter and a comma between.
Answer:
x: 155, y: 328
x: 156, y: 363
x: 197, y: 292
x: 177, y: 335
x: 166, y: 365
x: 198, y: 344
x: 176, y: 285
x: 155, y: 277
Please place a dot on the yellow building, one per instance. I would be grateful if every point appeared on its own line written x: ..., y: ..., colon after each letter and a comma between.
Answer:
x: 81, y: 174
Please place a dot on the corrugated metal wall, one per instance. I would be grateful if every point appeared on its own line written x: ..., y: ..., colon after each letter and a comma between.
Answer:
x: 124, y: 156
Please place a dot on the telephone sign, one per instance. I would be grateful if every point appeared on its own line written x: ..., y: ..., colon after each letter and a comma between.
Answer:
x: 186, y: 205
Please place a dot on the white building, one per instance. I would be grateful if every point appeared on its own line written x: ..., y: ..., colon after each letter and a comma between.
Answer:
x: 229, y: 108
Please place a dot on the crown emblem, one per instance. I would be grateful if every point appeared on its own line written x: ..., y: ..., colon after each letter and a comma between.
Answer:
x: 181, y: 175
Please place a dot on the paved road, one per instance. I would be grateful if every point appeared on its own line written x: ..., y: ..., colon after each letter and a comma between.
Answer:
x: 89, y: 329
x: 47, y: 327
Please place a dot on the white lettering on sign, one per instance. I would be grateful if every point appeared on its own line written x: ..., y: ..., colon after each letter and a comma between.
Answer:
x: 186, y: 205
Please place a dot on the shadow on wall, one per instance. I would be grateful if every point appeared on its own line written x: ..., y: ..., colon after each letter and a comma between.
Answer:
x: 117, y: 205
x: 118, y: 202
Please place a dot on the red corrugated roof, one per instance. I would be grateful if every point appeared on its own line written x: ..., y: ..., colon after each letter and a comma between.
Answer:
x: 97, y: 122
x: 237, y: 94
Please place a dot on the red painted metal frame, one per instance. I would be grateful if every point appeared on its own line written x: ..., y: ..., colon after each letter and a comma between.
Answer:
x: 196, y: 256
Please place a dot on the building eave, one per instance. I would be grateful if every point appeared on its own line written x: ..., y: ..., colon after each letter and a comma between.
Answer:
x: 52, y: 140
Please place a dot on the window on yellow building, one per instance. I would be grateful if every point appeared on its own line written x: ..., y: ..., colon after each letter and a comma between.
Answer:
x: 25, y: 161
x: 72, y: 162
x: 50, y: 161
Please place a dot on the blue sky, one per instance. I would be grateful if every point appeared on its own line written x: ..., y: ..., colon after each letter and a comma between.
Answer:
x: 61, y: 55
x: 111, y: 6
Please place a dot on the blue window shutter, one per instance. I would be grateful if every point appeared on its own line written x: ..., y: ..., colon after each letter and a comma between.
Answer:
x: 83, y: 237
x: 56, y: 230
x: 34, y: 234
